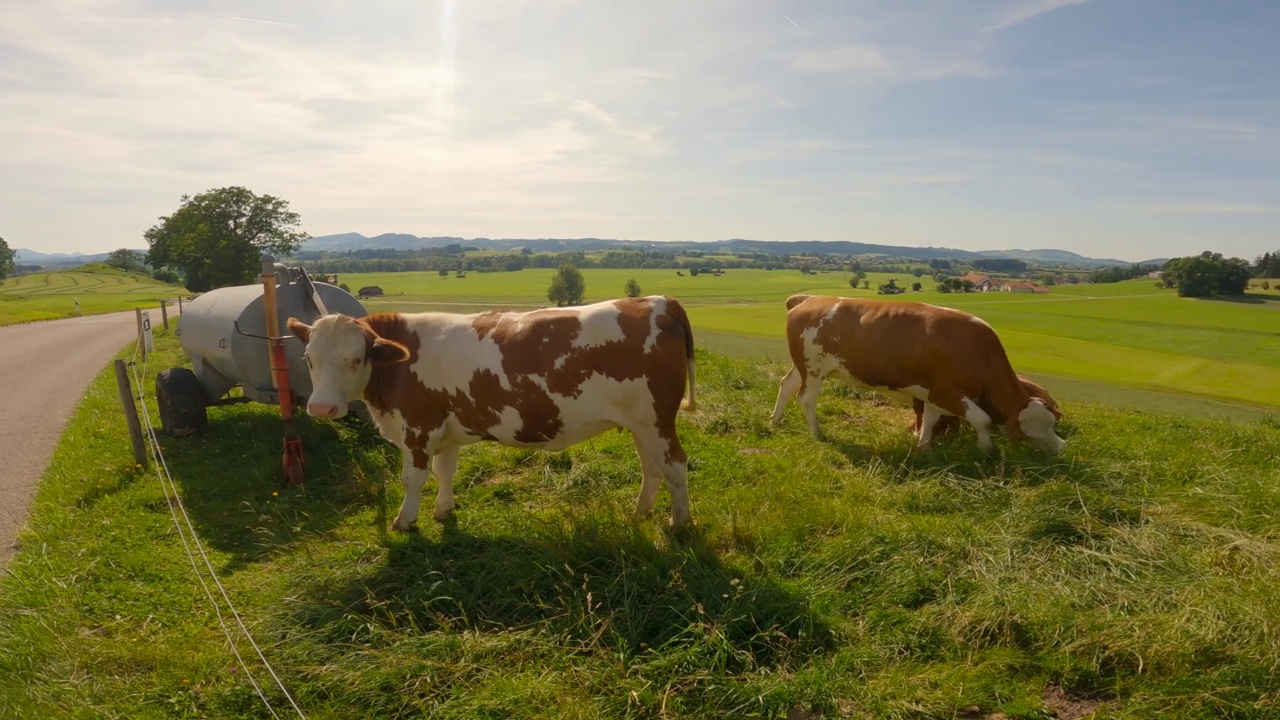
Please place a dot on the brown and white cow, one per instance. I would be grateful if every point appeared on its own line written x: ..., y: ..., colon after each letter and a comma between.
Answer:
x: 545, y: 379
x: 950, y: 360
x: 948, y: 423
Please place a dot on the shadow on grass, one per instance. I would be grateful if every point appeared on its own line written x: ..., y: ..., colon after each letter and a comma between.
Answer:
x: 233, y: 488
x: 593, y: 583
x: 1245, y: 299
x: 957, y: 450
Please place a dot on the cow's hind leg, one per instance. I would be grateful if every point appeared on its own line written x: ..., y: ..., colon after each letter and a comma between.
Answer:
x: 787, y: 389
x: 414, y: 479
x: 661, y: 456
x: 809, y: 390
x: 444, y: 464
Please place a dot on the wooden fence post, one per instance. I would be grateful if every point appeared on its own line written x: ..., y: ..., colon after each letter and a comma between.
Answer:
x: 164, y: 313
x: 179, y: 304
x: 130, y: 413
x: 137, y: 311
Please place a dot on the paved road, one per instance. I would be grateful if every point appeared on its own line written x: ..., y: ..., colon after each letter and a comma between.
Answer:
x: 44, y: 370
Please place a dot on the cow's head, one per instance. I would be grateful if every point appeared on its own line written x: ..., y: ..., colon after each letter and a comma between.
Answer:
x: 1036, y: 424
x: 340, y: 355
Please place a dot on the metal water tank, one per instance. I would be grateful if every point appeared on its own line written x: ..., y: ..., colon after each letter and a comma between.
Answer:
x: 223, y: 357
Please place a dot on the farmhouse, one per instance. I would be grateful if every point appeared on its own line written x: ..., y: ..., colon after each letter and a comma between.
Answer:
x: 827, y: 335
x: 1022, y: 286
x: 369, y: 291
x: 981, y: 283
x: 545, y: 379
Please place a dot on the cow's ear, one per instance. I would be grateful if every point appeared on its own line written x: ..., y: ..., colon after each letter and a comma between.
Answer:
x: 300, y: 330
x: 388, y: 351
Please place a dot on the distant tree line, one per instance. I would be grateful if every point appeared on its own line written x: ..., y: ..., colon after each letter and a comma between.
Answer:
x: 1267, y: 265
x: 1004, y: 265
x: 1120, y: 273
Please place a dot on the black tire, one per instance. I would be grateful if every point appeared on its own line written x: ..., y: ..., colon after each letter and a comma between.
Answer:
x: 181, y: 403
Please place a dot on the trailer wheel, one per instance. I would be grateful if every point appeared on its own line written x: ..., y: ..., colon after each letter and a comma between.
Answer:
x: 181, y: 402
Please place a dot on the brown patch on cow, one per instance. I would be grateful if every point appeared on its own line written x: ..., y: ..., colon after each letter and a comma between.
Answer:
x: 300, y: 330
x: 899, y: 344
x: 392, y: 386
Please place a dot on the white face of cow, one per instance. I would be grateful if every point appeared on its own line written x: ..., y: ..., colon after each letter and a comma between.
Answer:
x: 1037, y: 424
x: 340, y: 355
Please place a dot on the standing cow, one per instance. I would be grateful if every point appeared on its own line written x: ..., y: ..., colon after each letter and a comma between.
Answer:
x: 546, y: 379
x: 950, y: 360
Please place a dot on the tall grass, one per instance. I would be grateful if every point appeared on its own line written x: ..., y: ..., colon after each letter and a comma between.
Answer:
x: 1132, y: 577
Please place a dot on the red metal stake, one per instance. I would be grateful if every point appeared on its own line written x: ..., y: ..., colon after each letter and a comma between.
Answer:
x: 291, y: 459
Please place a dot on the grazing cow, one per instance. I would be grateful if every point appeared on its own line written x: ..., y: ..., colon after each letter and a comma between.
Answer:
x: 948, y: 423
x: 545, y: 379
x: 950, y: 360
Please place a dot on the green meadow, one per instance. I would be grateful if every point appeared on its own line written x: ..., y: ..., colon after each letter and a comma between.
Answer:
x: 1129, y: 336
x: 100, y: 289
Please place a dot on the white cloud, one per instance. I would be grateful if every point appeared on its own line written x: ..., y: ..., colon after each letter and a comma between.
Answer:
x: 1023, y: 12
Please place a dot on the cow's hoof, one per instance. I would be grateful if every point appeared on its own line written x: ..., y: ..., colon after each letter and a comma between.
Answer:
x: 443, y: 515
x: 404, y: 527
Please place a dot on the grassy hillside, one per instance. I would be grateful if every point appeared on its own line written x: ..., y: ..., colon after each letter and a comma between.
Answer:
x: 100, y: 289
x: 1132, y: 577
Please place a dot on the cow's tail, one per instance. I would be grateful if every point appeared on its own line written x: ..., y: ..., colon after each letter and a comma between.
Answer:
x: 795, y: 300
x: 676, y: 311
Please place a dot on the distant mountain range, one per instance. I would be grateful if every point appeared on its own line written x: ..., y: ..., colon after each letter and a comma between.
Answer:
x: 401, y: 241
x: 23, y: 256
x: 351, y: 241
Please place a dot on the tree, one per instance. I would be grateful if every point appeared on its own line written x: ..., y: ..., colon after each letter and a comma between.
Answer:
x: 633, y: 288
x: 444, y: 272
x: 7, y: 263
x: 693, y: 272
x: 127, y: 260
x: 567, y: 286
x: 1207, y: 274
x: 916, y: 287
x: 217, y: 237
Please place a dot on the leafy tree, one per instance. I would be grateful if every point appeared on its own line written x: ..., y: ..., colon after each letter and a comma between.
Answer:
x: 1207, y: 274
x: 165, y: 275
x: 127, y: 260
x: 7, y: 262
x: 693, y: 272
x: 866, y: 284
x: 567, y: 286
x: 633, y: 288
x: 217, y: 237
x: 444, y: 272
x: 916, y: 287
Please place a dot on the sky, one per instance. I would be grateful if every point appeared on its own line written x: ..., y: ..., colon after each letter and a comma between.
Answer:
x: 1126, y: 129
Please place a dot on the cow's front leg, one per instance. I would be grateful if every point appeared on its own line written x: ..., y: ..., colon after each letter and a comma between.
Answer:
x: 414, y: 478
x: 929, y: 418
x: 444, y: 464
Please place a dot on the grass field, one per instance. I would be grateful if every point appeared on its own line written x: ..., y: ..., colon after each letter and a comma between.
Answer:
x: 1132, y: 577
x: 1129, y: 336
x: 100, y: 289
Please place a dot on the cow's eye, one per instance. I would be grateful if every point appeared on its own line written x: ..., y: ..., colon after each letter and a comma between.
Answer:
x: 356, y: 363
